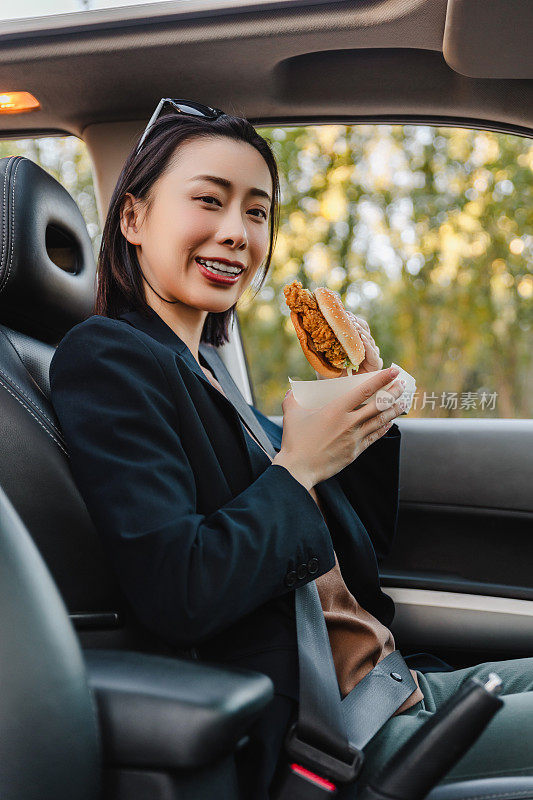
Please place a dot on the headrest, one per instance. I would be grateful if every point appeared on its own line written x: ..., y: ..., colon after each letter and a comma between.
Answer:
x: 47, y: 266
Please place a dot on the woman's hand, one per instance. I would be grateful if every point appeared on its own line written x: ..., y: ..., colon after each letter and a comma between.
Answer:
x: 319, y: 443
x: 372, y: 360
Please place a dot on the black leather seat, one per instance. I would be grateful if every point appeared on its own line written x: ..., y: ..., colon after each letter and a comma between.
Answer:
x: 196, y: 713
x: 47, y: 285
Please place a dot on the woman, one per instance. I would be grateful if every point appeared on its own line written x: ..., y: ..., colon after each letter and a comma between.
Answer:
x: 209, y: 536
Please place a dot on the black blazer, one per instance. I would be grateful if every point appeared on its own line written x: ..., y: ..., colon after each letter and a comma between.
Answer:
x: 208, y: 543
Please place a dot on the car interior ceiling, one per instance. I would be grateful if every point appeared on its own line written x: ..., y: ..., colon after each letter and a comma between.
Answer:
x: 443, y: 62
x: 344, y: 62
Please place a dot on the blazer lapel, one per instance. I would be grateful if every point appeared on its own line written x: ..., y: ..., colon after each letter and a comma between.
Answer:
x: 157, y: 328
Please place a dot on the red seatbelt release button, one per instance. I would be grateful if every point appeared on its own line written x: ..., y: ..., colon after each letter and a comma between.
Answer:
x: 300, y: 783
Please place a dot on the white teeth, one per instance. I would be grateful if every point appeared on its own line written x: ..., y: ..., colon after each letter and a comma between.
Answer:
x: 219, y: 267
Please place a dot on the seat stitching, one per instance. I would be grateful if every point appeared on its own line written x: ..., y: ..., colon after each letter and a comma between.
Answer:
x: 12, y: 226
x: 4, y: 207
x: 525, y: 793
x: 23, y: 404
x: 28, y: 398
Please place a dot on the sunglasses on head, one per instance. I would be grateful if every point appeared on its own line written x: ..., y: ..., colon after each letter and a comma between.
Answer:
x: 187, y: 107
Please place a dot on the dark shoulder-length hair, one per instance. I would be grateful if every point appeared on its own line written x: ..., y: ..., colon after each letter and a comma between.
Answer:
x: 119, y: 281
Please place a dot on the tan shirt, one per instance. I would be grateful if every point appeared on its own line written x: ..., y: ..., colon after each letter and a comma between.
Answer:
x: 358, y: 640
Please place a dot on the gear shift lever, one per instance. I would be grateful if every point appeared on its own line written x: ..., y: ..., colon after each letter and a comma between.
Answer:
x: 438, y: 744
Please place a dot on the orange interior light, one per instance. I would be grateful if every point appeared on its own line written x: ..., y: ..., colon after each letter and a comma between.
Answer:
x: 17, y: 102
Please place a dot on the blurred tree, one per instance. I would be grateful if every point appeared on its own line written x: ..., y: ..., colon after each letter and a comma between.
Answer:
x: 67, y: 160
x: 425, y: 232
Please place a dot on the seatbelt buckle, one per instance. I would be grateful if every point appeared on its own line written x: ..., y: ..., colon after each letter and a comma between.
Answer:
x: 317, y: 761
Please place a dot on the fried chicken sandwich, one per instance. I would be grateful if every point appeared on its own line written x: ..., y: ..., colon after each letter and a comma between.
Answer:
x: 326, y: 331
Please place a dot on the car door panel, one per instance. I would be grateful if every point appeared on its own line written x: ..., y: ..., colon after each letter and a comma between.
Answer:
x: 460, y: 567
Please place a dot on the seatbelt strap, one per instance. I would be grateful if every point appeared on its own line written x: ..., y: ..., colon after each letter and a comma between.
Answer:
x: 371, y: 702
x: 235, y: 397
x: 387, y: 686
x: 330, y: 732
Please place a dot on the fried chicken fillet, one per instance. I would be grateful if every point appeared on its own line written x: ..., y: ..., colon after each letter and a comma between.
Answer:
x: 301, y: 301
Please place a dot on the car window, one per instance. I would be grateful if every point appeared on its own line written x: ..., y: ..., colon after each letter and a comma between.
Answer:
x: 67, y: 160
x: 427, y: 233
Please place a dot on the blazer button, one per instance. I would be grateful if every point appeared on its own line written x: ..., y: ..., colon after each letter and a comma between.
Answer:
x: 312, y: 565
x: 302, y: 572
x: 290, y: 579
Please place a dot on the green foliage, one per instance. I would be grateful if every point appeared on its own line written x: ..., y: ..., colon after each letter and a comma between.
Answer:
x: 425, y: 232
x: 67, y: 160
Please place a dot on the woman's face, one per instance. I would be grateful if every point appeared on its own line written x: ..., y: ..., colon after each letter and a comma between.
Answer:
x: 194, y: 217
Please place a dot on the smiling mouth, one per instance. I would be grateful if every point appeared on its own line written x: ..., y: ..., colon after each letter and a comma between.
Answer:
x: 217, y: 268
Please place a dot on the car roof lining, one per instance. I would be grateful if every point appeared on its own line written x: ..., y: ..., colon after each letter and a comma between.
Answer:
x: 328, y: 59
x: 347, y: 61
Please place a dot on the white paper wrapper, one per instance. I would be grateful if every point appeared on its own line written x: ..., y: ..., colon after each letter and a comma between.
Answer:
x: 317, y: 393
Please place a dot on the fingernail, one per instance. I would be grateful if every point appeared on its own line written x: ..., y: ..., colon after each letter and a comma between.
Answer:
x: 394, y: 371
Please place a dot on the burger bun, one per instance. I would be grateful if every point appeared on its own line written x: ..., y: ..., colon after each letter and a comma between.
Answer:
x: 342, y: 323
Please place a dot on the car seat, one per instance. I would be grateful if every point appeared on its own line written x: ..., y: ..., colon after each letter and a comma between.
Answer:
x: 166, y: 726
